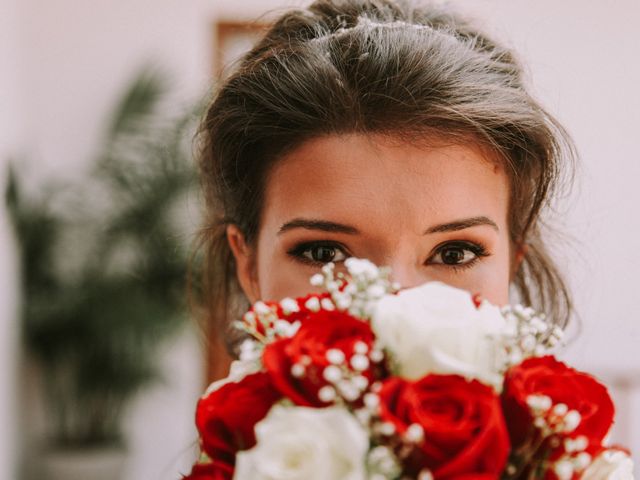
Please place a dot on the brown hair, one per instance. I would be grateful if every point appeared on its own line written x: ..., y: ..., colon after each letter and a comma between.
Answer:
x: 376, y: 66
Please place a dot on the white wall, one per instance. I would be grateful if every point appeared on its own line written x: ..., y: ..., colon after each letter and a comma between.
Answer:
x: 66, y: 61
x: 11, y: 143
x: 584, y: 63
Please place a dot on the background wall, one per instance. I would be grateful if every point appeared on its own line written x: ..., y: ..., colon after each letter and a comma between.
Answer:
x: 63, y: 62
x: 11, y: 137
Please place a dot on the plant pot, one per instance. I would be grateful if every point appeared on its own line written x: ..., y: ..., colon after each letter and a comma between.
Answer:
x: 106, y: 463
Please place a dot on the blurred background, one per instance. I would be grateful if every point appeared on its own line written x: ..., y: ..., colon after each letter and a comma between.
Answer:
x: 98, y: 106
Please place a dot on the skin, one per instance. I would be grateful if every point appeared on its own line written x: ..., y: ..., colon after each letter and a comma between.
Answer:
x: 395, y: 203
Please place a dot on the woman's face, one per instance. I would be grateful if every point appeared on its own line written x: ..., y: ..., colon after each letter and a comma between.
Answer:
x: 430, y: 213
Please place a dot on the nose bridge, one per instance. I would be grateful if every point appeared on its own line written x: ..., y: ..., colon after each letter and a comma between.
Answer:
x: 404, y: 269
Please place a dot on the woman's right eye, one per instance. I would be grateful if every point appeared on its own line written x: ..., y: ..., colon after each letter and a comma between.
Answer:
x: 319, y: 253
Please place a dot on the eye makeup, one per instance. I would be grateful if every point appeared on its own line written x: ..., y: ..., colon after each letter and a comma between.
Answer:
x: 457, y: 255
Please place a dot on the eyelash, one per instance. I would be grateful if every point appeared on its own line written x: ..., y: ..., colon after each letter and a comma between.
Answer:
x: 478, y: 249
x: 298, y: 251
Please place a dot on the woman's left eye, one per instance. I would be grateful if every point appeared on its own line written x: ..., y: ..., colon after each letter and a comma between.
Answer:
x: 457, y: 254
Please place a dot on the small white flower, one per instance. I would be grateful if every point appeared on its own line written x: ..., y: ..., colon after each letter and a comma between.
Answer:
x: 610, y: 465
x: 582, y: 461
x: 286, y: 329
x: 360, y: 347
x: 376, y: 356
x: 539, y: 403
x: 261, y: 308
x: 327, y: 393
x: 375, y: 291
x: 332, y: 286
x: 360, y: 382
x: 572, y: 420
x: 250, y: 351
x: 361, y: 268
x: 327, y: 269
x: 348, y: 390
x: 415, y: 433
x: 327, y: 304
x: 342, y: 301
x: 435, y: 328
x: 313, y: 304
x: 383, y: 463
x: 250, y: 318
x: 357, y: 304
x: 386, y: 428
x: 540, y: 350
x: 539, y: 422
x: 317, y: 280
x: 371, y: 400
x: 335, y: 356
x: 289, y: 305
x: 560, y: 409
x: 425, y: 475
x: 305, y: 443
x: 350, y: 289
x: 540, y: 325
x: 563, y: 469
x: 359, y: 362
x: 297, y: 370
x: 332, y: 374
x: 528, y: 343
x: 580, y: 443
x: 305, y: 360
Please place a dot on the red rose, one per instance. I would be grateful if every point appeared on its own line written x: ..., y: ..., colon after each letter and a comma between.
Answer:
x: 297, y: 364
x: 210, y: 471
x: 464, y: 431
x: 226, y: 417
x: 546, y: 376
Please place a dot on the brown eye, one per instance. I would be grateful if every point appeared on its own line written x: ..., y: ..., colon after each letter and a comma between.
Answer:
x: 323, y: 254
x: 453, y: 256
x: 457, y: 254
x: 319, y: 253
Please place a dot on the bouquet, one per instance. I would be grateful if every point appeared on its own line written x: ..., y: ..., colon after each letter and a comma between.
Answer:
x: 365, y: 381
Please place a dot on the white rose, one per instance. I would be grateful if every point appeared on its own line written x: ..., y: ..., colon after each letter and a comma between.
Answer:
x: 301, y: 443
x: 610, y: 465
x: 436, y: 328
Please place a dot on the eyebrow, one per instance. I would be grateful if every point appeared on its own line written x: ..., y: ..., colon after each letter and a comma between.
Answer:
x: 321, y: 225
x: 462, y: 224
x: 326, y: 226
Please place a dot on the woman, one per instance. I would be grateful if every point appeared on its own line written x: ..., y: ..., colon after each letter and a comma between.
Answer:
x: 381, y: 129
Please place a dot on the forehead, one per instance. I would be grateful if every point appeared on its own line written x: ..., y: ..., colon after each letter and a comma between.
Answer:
x: 371, y: 179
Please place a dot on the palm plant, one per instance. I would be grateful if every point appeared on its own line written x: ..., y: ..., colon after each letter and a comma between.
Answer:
x: 103, y: 265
